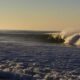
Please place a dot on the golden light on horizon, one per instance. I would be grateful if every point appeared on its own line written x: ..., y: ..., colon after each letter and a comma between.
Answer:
x: 38, y: 15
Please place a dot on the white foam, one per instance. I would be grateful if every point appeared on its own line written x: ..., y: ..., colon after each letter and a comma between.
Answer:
x: 78, y: 42
x: 73, y: 39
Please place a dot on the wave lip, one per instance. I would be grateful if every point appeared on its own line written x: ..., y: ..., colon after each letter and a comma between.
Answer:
x: 73, y: 39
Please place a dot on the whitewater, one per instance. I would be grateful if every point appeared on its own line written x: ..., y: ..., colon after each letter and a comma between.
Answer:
x: 71, y: 38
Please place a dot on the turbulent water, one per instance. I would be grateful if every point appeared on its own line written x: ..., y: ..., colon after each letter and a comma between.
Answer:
x: 73, y: 39
x: 41, y: 37
x: 69, y: 38
x: 33, y: 56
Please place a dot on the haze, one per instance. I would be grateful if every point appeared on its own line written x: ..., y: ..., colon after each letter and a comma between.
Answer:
x: 39, y: 14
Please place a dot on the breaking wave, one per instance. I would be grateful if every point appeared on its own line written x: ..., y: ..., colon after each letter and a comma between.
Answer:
x: 72, y: 38
x: 63, y: 37
x: 68, y: 38
x: 44, y: 37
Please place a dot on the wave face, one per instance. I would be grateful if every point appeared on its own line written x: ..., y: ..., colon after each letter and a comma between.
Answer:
x: 31, y: 37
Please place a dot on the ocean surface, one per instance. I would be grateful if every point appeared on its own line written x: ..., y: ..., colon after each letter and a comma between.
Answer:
x: 30, y: 55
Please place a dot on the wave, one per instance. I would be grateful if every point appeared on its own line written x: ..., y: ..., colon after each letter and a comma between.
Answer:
x: 71, y: 38
x: 48, y: 37
x: 68, y: 38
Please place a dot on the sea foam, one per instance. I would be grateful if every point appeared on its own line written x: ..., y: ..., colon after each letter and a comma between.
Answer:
x: 71, y: 38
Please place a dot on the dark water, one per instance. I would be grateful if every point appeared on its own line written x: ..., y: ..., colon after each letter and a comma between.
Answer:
x: 27, y: 58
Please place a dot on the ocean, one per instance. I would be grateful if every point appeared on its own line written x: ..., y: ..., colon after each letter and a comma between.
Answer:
x: 38, y: 55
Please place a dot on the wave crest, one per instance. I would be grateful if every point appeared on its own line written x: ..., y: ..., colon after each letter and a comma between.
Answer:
x: 68, y: 38
x: 73, y: 39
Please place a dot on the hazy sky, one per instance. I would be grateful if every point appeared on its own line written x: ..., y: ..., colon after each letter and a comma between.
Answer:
x: 40, y: 14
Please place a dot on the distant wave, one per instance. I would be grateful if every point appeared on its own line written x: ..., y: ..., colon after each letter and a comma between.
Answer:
x: 45, y: 37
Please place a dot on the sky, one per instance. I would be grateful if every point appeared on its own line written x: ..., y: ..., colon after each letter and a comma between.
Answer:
x: 39, y: 14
